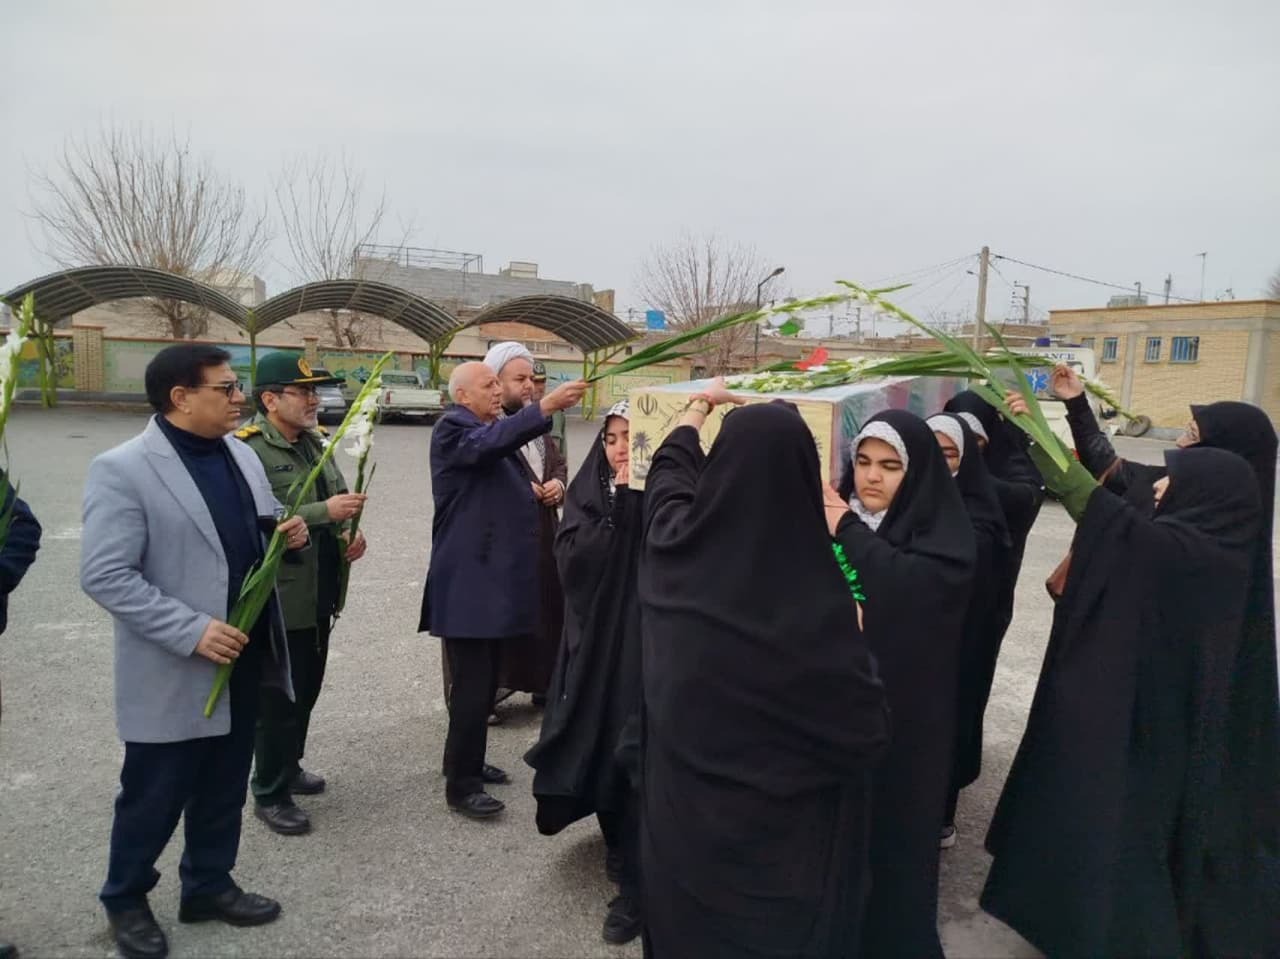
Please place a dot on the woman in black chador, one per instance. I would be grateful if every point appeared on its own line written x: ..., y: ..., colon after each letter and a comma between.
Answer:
x: 903, y: 526
x: 1018, y: 486
x: 1242, y: 898
x: 982, y: 630
x: 1105, y: 835
x: 763, y: 713
x: 595, y: 690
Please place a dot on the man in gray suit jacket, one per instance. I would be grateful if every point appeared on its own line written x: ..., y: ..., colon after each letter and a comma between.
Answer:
x: 174, y: 520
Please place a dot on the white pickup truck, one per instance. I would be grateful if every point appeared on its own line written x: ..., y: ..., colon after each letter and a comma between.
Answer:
x: 404, y: 394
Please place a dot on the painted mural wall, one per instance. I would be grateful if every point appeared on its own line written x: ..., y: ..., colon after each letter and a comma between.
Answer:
x: 65, y: 364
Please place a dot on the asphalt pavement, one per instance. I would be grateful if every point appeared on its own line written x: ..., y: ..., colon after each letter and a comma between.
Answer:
x: 387, y: 870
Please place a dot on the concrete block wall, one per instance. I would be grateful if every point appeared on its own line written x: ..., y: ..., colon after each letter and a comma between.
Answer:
x: 470, y: 289
x: 1270, y: 399
x: 1164, y: 390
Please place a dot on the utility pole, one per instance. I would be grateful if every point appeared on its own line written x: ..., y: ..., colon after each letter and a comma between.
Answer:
x: 1204, y: 259
x: 858, y: 324
x: 1168, y: 285
x: 1026, y: 302
x: 984, y: 261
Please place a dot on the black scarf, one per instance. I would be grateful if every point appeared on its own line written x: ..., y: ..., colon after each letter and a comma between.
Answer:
x: 1006, y: 452
x: 756, y: 672
x: 977, y: 490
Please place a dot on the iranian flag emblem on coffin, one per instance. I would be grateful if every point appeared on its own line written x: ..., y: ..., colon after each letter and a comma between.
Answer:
x: 834, y: 415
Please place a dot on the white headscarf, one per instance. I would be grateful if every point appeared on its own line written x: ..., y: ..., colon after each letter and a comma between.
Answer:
x: 621, y: 408
x: 975, y: 424
x: 500, y: 354
x: 879, y: 430
x: 949, y: 428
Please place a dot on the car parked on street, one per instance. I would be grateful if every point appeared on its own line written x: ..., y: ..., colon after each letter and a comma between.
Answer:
x: 405, y: 394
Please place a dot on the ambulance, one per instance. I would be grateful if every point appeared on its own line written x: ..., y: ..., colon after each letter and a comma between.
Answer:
x: 1084, y: 362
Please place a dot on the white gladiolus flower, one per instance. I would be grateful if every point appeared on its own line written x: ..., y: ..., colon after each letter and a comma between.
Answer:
x: 9, y: 353
x: 369, y: 405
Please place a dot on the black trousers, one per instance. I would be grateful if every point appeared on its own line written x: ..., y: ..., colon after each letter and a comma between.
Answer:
x: 473, y: 669
x: 202, y: 781
x: 281, y: 740
x: 621, y: 831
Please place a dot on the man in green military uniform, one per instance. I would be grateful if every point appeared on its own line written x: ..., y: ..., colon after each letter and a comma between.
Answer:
x: 557, y: 418
x: 288, y: 439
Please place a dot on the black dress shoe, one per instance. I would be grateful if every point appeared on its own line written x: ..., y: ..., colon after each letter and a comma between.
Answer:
x: 623, y: 922
x: 539, y: 701
x: 137, y: 934
x: 307, y: 784
x: 235, y: 907
x: 284, y: 818
x: 493, y: 776
x: 478, y: 806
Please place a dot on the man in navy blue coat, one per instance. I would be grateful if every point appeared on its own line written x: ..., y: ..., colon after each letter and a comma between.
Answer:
x: 482, y: 583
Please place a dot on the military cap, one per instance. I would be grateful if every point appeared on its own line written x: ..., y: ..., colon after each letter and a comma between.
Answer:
x: 539, y: 372
x: 289, y: 369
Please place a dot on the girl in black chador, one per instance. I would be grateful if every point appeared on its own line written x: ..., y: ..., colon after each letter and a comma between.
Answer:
x: 763, y: 713
x: 983, y: 630
x: 595, y: 690
x: 903, y: 525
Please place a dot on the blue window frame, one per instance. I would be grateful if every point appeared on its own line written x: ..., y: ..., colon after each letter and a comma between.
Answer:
x: 1185, y: 349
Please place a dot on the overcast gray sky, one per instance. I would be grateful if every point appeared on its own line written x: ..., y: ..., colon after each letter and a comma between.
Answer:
x: 1111, y: 138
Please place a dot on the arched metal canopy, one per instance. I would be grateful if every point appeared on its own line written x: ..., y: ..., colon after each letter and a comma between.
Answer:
x: 63, y: 294
x: 415, y: 313
x: 577, y: 322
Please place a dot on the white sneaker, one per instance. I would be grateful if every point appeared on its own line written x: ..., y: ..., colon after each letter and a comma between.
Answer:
x: 948, y: 837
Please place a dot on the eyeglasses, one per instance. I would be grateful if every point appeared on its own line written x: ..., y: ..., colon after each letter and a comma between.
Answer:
x: 229, y: 389
x: 306, y: 392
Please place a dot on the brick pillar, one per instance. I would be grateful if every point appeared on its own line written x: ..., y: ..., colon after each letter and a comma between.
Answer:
x: 311, y: 349
x: 89, y: 355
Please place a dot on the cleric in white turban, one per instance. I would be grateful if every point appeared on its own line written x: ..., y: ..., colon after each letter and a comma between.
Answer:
x: 500, y: 354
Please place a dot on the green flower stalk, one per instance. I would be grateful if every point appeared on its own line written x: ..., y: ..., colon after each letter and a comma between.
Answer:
x: 669, y: 349
x: 10, y: 355
x: 260, y: 584
x: 1108, y: 396
x: 981, y: 372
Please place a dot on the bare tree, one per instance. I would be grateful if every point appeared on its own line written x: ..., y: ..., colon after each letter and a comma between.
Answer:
x: 325, y: 216
x: 1273, y: 287
x: 125, y: 197
x: 698, y: 279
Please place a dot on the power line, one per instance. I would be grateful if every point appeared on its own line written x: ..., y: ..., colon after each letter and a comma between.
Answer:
x: 922, y: 272
x: 914, y: 290
x: 1085, y: 279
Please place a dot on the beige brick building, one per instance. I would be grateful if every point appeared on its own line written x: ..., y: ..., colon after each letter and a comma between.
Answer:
x: 1162, y: 358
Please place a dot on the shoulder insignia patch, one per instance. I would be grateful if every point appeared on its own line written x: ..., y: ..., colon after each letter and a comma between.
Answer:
x: 246, y: 431
x: 321, y: 429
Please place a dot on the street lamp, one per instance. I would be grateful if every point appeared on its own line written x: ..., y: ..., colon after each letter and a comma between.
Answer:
x: 778, y: 271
